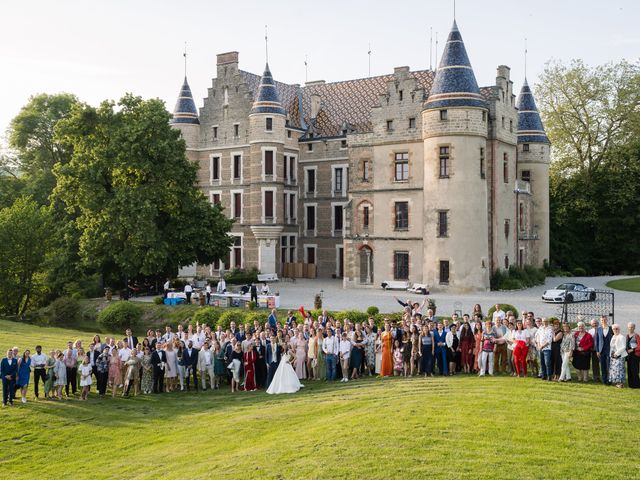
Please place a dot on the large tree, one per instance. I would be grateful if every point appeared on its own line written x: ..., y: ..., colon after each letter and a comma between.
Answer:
x: 25, y: 235
x: 592, y: 117
x: 134, y: 193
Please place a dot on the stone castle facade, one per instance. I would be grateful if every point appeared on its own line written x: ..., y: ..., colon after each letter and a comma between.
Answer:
x: 416, y: 175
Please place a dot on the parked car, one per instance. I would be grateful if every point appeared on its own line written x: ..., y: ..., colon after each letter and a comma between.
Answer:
x: 575, y: 292
x: 419, y: 288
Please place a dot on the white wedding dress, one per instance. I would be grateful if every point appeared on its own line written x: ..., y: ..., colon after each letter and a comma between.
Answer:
x: 285, y: 380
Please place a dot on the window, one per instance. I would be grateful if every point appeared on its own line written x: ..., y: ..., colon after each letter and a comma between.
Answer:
x: 215, y: 198
x: 214, y: 169
x: 525, y: 147
x: 310, y: 147
x: 338, y: 218
x: 401, y: 95
x: 288, y: 248
x: 511, y: 126
x: 412, y: 123
x: 402, y: 167
x: 236, y: 252
x: 237, y: 205
x: 269, y: 124
x: 311, y: 181
x: 237, y: 167
x: 505, y: 168
x: 521, y: 216
x: 292, y: 207
x: 338, y: 181
x: 311, y: 255
x: 401, y: 212
x: 290, y: 169
x: 484, y: 116
x: 311, y: 218
x: 400, y: 265
x: 288, y: 133
x: 443, y: 115
x: 503, y: 122
x: 268, y: 205
x: 507, y: 227
x: 443, y: 223
x: 343, y: 144
x: 526, y: 175
x: 365, y: 217
x: 236, y: 130
x: 482, y: 174
x: 506, y: 262
x: 268, y: 162
x: 365, y: 170
x: 444, y: 162
x: 215, y: 133
x: 444, y: 271
x: 389, y: 125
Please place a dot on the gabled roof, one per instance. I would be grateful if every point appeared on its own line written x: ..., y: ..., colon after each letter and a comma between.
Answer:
x: 185, y: 110
x: 530, y: 128
x: 455, y: 84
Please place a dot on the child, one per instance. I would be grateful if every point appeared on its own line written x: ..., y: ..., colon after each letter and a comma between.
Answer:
x: 397, y: 358
x: 345, y: 353
x: 85, y: 378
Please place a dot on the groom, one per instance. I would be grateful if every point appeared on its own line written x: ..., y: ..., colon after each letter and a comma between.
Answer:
x: 274, y: 352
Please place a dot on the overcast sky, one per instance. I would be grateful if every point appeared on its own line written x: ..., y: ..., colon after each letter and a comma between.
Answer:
x: 102, y: 49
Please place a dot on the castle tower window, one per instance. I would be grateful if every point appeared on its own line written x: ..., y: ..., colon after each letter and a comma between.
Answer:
x: 507, y: 225
x: 268, y: 162
x: 310, y: 147
x: 401, y: 95
x: 444, y: 114
x: 505, y: 168
x: 511, y: 126
x: 288, y: 133
x: 237, y: 205
x: 401, y: 167
x: 365, y: 170
x: 236, y: 252
x: 237, y: 167
x: 444, y: 272
x: 269, y: 124
x: 503, y: 122
x: 482, y: 166
x: 525, y: 147
x: 412, y: 123
x: 268, y: 205
x: 484, y: 116
x: 311, y: 181
x: 525, y: 175
x: 343, y: 144
x: 401, y: 213
x: 236, y: 130
x: 215, y: 133
x: 389, y: 125
x: 444, y: 162
x: 365, y: 217
x: 443, y: 223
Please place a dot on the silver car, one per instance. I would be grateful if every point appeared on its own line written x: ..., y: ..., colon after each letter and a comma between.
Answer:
x: 575, y: 292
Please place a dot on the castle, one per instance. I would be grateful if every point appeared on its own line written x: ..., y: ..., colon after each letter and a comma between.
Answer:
x: 417, y: 175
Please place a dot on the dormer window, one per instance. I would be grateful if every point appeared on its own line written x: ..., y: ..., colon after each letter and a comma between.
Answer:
x: 443, y: 115
x: 269, y: 124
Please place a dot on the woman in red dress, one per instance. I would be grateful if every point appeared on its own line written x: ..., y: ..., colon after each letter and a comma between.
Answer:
x: 386, y: 366
x: 250, y: 369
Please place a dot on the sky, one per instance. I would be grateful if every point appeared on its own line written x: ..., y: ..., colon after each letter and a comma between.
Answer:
x: 102, y: 49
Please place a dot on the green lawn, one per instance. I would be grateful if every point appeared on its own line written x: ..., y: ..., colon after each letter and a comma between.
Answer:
x: 458, y: 427
x: 626, y: 284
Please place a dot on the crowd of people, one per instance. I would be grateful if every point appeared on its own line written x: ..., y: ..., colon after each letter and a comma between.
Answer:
x: 247, y: 357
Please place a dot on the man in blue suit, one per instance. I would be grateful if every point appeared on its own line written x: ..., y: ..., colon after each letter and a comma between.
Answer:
x: 274, y: 352
x: 190, y: 360
x: 603, y: 346
x: 8, y: 372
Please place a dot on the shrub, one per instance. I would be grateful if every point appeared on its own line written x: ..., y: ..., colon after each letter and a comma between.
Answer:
x: 158, y: 300
x: 208, y: 315
x: 120, y: 315
x: 64, y: 311
x: 579, y: 272
x: 353, y: 315
x: 251, y: 305
x: 241, y: 277
x: 230, y: 315
x: 372, y: 311
x: 250, y: 317
x: 505, y: 308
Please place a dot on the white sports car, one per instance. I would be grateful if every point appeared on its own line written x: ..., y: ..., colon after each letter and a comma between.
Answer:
x: 575, y: 292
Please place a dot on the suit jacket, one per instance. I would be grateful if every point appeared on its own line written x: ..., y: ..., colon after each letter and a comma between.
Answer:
x: 190, y: 360
x: 9, y: 367
x: 261, y: 351
x: 135, y: 341
x: 157, y: 357
x: 602, y: 341
x: 93, y: 356
x: 273, y: 356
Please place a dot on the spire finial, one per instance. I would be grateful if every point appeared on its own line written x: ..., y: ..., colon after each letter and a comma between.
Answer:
x: 436, y: 47
x: 266, y: 43
x: 454, y: 10
x: 369, y: 53
x: 185, y: 59
x: 525, y: 58
x: 431, y: 49
x: 306, y: 68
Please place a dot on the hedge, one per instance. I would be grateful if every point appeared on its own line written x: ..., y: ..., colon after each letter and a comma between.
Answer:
x: 120, y: 315
x: 208, y: 315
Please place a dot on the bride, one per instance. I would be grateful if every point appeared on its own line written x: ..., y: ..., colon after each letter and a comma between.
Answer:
x: 285, y: 379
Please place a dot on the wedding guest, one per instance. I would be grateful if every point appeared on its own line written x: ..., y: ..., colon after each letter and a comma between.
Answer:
x: 146, y: 383
x: 466, y: 347
x: 358, y: 343
x: 250, y: 369
x: 544, y: 337
x: 477, y: 349
x: 312, y: 352
x: 331, y: 349
x: 488, y: 345
x: 261, y: 364
x: 181, y: 368
x: 633, y: 356
x: 453, y: 344
x: 521, y: 338
x: 235, y: 365
x: 158, y: 360
x: 132, y: 374
x: 301, y: 356
x: 618, y: 354
x: 595, y: 361
x: 171, y: 368
x: 49, y: 367
x: 24, y: 374
x: 556, y: 357
x: 602, y: 342
x: 397, y: 358
x: 71, y: 363
x: 345, y: 353
x: 582, y: 353
x: 567, y: 346
x: 206, y: 366
x: 426, y: 351
x: 219, y: 367
x: 321, y: 367
x: 39, y: 362
x: 85, y: 378
x: 370, y: 349
x: 190, y: 363
x: 440, y: 351
x: 102, y: 372
x: 8, y: 372
x: 60, y: 374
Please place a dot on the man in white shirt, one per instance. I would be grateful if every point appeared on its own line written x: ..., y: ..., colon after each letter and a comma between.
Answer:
x: 222, y: 286
x: 345, y: 353
x: 124, y: 353
x: 208, y: 292
x: 188, y: 290
x: 330, y: 347
x: 498, y: 316
x: 168, y: 335
x: 39, y: 360
x: 205, y: 366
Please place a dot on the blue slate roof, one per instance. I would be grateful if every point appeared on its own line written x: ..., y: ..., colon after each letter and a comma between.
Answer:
x: 185, y: 110
x: 530, y: 128
x: 267, y: 100
x: 455, y: 83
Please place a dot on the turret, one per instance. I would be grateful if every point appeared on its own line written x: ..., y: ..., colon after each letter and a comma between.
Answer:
x: 454, y: 120
x: 185, y: 116
x: 534, y: 156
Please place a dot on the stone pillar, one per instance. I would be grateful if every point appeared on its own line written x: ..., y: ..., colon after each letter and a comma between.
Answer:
x: 267, y: 237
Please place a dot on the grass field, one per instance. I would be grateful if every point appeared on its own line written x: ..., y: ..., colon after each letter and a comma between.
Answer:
x: 457, y: 427
x: 626, y: 284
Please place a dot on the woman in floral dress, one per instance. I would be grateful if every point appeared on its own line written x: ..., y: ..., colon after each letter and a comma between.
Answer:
x: 147, y: 372
x: 370, y: 349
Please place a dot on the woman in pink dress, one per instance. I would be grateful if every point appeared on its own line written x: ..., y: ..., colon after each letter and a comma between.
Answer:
x: 115, y: 371
x: 301, y: 356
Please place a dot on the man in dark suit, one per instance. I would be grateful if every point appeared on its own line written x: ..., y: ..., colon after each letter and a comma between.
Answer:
x: 8, y: 372
x: 261, y: 362
x: 254, y: 293
x: 158, y: 360
x: 602, y: 347
x: 190, y: 360
x: 93, y: 355
x: 274, y: 352
x: 129, y: 340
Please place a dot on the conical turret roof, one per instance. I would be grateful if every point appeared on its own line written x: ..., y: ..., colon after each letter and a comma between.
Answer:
x: 185, y: 110
x: 530, y: 128
x: 267, y: 100
x: 455, y: 84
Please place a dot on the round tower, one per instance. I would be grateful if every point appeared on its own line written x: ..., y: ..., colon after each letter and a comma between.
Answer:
x: 185, y: 116
x: 534, y: 157
x: 454, y: 122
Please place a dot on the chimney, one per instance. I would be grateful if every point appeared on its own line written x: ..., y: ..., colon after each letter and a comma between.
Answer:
x: 227, y: 64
